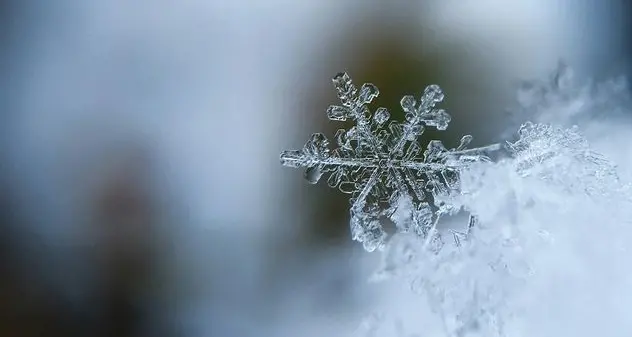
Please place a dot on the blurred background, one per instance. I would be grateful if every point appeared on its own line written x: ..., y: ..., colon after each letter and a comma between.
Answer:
x: 140, y: 183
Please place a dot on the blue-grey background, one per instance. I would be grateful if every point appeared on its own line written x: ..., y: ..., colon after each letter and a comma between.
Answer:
x: 141, y: 188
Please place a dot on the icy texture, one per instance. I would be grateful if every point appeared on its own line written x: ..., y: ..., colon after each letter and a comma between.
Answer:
x: 602, y: 109
x: 562, y: 156
x: 532, y: 210
x: 548, y: 251
x: 382, y: 164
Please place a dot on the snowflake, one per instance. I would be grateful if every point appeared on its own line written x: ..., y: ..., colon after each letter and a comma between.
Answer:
x: 382, y: 164
x: 545, y: 151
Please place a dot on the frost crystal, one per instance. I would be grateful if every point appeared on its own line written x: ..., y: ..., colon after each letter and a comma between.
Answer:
x: 563, y: 157
x: 382, y: 165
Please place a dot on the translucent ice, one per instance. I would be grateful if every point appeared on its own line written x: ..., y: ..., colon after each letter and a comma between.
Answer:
x: 381, y: 163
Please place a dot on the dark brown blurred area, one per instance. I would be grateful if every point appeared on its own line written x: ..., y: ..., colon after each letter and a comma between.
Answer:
x: 124, y: 218
x: 122, y: 252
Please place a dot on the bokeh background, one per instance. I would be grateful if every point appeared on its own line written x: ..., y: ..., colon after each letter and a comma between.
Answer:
x: 141, y: 189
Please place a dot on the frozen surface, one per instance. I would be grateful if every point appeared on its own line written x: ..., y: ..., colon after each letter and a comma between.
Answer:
x: 547, y: 255
x: 546, y: 258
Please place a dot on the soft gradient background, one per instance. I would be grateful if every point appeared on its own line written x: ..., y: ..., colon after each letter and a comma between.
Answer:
x: 141, y: 188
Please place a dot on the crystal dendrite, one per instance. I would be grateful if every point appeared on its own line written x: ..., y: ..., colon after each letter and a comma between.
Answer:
x: 382, y: 165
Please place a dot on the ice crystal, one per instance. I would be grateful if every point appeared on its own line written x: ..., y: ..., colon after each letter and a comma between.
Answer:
x: 382, y: 164
x: 474, y: 289
x: 562, y: 156
x: 543, y: 212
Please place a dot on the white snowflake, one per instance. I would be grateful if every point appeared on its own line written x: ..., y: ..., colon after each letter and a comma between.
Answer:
x: 383, y: 165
